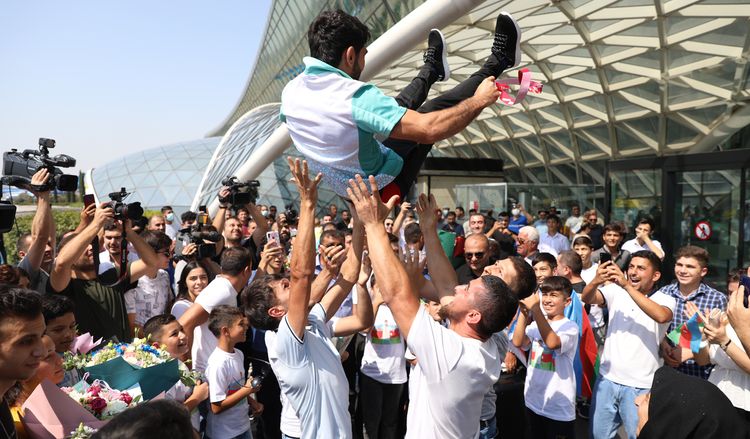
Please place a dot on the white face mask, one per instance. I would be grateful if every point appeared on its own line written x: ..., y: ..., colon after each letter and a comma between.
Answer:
x: 515, y: 212
x: 264, y: 212
x: 170, y: 217
x: 445, y: 212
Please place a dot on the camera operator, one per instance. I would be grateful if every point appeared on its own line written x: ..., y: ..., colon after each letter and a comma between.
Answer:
x: 100, y: 309
x: 35, y: 250
x: 233, y: 228
x: 110, y: 257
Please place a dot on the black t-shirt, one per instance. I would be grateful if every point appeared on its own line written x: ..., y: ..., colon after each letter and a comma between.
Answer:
x: 8, y: 429
x: 465, y: 275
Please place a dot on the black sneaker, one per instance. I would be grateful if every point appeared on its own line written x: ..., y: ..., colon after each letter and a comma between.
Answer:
x: 437, y: 55
x: 507, y: 43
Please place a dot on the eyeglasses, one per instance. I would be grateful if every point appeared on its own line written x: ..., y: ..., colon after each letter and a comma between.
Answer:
x: 478, y: 255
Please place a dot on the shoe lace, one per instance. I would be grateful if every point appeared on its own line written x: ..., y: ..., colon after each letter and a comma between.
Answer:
x: 429, y: 55
x: 500, y: 43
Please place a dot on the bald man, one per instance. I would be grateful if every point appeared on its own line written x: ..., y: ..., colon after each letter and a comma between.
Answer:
x: 477, y: 255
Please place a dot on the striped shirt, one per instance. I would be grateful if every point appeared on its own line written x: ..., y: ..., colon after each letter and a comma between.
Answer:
x: 704, y: 297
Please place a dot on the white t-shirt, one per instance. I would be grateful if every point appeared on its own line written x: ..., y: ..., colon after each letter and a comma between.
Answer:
x: 550, y: 389
x: 383, y: 359
x: 311, y: 377
x: 180, y: 393
x: 632, y: 246
x: 149, y: 298
x: 447, y: 386
x: 728, y: 376
x: 225, y: 375
x: 596, y: 313
x: 588, y: 274
x: 631, y: 350
x: 180, y: 307
x: 573, y: 223
x: 490, y: 398
x: 558, y: 241
x: 219, y: 292
x: 105, y: 259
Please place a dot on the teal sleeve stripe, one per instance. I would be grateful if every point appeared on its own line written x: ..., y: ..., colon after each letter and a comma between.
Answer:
x: 375, y: 112
x: 282, y: 116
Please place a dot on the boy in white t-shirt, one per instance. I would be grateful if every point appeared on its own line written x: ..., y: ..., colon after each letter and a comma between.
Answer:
x: 550, y: 390
x: 229, y: 388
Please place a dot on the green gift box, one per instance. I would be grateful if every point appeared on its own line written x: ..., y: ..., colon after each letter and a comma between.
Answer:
x: 120, y: 374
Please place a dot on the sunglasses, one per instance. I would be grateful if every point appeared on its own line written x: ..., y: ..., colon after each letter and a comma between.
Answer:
x: 478, y: 255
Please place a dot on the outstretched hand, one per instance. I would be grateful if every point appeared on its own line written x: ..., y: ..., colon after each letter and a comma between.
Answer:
x: 370, y: 208
x: 307, y: 188
x: 39, y: 178
x: 426, y: 209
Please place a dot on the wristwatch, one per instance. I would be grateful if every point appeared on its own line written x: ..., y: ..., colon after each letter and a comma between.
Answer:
x: 725, y: 345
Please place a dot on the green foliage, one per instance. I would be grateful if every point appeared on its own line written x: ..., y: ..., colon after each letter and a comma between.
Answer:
x: 65, y: 220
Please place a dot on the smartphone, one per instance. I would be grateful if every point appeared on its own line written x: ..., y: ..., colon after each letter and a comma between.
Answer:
x: 745, y: 282
x: 202, y: 218
x: 88, y: 200
x: 605, y: 257
x: 273, y: 236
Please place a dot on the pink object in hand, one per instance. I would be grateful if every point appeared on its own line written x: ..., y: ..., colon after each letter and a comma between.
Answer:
x: 525, y: 83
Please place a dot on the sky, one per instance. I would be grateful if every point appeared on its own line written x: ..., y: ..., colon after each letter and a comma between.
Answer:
x: 105, y: 78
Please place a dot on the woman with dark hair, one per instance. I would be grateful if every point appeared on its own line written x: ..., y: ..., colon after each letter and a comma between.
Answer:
x: 193, y: 279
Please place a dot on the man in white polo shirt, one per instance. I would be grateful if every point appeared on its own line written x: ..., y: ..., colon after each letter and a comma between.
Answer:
x: 341, y: 124
x: 455, y: 366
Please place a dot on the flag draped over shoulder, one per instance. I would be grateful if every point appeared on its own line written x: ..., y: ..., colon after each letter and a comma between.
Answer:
x: 586, y: 351
x: 688, y: 335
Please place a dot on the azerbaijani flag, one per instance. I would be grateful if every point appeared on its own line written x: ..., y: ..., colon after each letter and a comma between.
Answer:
x: 584, y: 363
x: 688, y: 335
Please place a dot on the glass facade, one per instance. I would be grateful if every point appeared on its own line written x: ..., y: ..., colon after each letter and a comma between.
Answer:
x: 166, y: 175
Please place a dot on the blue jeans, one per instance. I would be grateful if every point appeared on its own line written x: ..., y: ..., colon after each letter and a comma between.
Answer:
x: 489, y: 431
x: 614, y: 405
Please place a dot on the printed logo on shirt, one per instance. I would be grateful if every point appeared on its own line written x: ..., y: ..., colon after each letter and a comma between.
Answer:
x: 385, y: 333
x: 542, y: 358
x: 235, y: 385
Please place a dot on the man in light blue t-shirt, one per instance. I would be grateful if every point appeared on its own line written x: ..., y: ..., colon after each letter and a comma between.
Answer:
x: 346, y: 127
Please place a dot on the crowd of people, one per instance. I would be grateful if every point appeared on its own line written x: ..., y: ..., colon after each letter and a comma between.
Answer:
x: 375, y: 319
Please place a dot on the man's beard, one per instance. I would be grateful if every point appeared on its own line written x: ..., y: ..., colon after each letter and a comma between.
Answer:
x: 446, y: 313
x: 84, y: 267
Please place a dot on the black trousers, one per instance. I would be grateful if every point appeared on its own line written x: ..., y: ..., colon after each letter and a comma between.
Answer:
x: 413, y: 97
x: 380, y: 407
x: 546, y: 428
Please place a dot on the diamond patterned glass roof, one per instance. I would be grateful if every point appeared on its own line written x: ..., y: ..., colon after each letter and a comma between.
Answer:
x: 621, y: 78
x: 166, y: 175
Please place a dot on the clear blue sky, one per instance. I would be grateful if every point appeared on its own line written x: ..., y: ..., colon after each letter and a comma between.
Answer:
x: 108, y: 78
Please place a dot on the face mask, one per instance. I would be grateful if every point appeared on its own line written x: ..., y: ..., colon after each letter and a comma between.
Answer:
x: 264, y: 212
x: 515, y: 212
x: 445, y: 212
x: 170, y: 217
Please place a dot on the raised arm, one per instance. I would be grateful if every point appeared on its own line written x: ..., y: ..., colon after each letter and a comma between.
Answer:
x: 441, y: 271
x: 432, y: 127
x: 331, y: 258
x: 364, y: 311
x: 303, y: 256
x: 739, y: 316
x: 148, y: 264
x: 591, y: 294
x: 42, y: 222
x: 349, y: 272
x: 392, y: 278
x: 60, y: 275
x: 399, y: 220
x: 221, y: 217
x: 659, y: 313
x: 261, y: 225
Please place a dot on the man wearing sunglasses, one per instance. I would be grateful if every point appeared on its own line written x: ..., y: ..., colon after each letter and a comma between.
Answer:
x: 477, y: 255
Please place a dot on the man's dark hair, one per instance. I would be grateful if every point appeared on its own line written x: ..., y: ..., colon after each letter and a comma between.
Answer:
x: 157, y: 240
x: 545, y: 257
x: 524, y: 283
x: 571, y: 260
x: 162, y: 418
x: 234, y: 260
x: 654, y: 260
x: 23, y: 242
x: 153, y: 326
x: 460, y: 207
x: 613, y: 227
x: 166, y: 209
x: 19, y: 302
x: 554, y: 218
x: 333, y: 233
x: 332, y: 32
x: 188, y: 216
x: 112, y: 225
x: 497, y: 305
x: 412, y: 233
x: 691, y: 251
x: 55, y: 306
x: 557, y: 283
x: 450, y: 213
x: 583, y: 240
x: 735, y: 275
x: 11, y: 275
x: 257, y: 298
x: 647, y: 220
x: 503, y: 214
x: 222, y: 317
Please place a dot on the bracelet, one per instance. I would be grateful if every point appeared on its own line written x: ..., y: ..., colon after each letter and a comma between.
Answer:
x: 725, y: 345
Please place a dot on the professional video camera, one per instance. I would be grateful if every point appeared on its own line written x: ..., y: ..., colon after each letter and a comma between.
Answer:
x: 123, y: 211
x: 19, y: 167
x: 7, y: 216
x: 291, y: 215
x: 198, y: 236
x: 241, y: 193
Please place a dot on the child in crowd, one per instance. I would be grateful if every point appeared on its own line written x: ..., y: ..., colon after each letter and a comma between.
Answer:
x: 165, y: 330
x: 229, y: 388
x: 60, y: 319
x: 550, y: 390
x: 544, y: 265
x: 152, y: 295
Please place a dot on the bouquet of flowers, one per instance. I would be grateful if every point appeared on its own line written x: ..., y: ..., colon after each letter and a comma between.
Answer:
x: 124, y: 364
x: 101, y: 400
x: 82, y: 432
